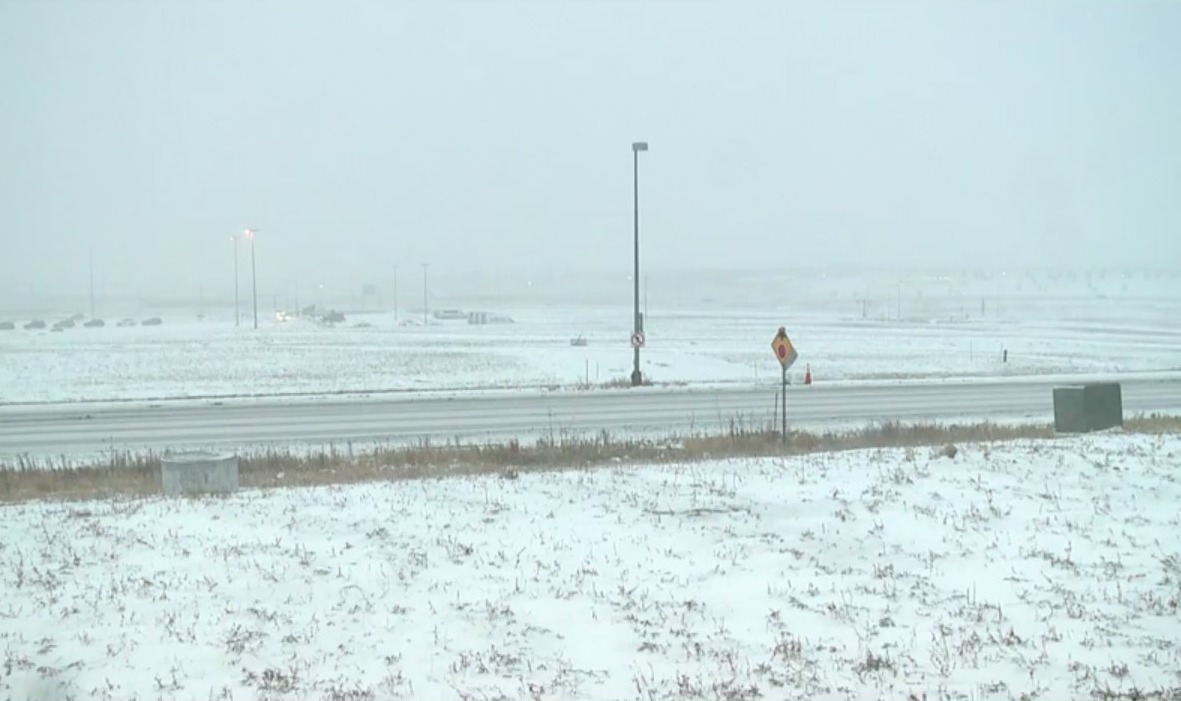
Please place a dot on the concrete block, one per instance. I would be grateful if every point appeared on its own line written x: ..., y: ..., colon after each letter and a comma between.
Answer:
x: 199, y: 473
x: 1086, y: 408
x: 1070, y: 414
x: 1104, y: 405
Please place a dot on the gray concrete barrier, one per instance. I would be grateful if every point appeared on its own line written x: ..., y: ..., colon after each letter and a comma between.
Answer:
x: 1087, y: 408
x: 199, y: 473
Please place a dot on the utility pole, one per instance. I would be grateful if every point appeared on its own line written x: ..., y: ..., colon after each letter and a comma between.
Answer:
x: 638, y: 324
x: 250, y: 234
x: 425, y: 295
x: 645, y: 297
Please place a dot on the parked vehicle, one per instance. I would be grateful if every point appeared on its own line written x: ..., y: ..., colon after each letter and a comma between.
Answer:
x: 450, y: 315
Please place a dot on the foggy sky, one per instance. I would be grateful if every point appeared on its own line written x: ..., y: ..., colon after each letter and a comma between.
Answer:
x: 496, y: 135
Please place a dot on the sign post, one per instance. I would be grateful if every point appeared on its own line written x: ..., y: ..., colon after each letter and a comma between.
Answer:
x: 787, y: 355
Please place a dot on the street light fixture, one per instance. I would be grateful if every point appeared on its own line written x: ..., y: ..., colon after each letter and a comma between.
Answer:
x: 250, y: 234
x: 638, y: 323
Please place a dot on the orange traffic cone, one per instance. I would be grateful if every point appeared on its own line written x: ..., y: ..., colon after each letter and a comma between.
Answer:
x: 808, y: 376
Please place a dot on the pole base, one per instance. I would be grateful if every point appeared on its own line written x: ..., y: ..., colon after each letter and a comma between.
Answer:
x: 637, y: 378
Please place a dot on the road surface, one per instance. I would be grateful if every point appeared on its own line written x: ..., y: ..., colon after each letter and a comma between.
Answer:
x: 72, y: 431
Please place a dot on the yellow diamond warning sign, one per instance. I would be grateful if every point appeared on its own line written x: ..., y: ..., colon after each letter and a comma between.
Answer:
x: 785, y: 352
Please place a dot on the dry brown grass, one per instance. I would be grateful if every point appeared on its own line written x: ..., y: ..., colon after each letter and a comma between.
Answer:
x: 622, y: 383
x: 139, y: 474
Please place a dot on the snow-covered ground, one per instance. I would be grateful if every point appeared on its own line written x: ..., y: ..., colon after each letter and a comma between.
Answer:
x: 845, y: 329
x: 1032, y: 570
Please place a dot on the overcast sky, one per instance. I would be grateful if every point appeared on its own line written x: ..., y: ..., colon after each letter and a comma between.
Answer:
x: 496, y: 135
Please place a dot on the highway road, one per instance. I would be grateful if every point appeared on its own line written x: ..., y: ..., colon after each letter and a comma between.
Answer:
x: 75, y: 430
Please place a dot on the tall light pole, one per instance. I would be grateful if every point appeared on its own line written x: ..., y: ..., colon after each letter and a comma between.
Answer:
x: 237, y: 307
x: 91, y: 264
x: 395, y: 294
x: 645, y: 296
x: 425, y: 296
x: 250, y: 234
x: 638, y: 325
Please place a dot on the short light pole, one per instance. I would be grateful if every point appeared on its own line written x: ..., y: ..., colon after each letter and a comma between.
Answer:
x: 638, y: 324
x: 237, y: 306
x: 250, y: 234
x: 425, y: 295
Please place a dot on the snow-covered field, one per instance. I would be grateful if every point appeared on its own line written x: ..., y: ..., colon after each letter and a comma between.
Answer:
x: 1032, y: 570
x: 715, y: 332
